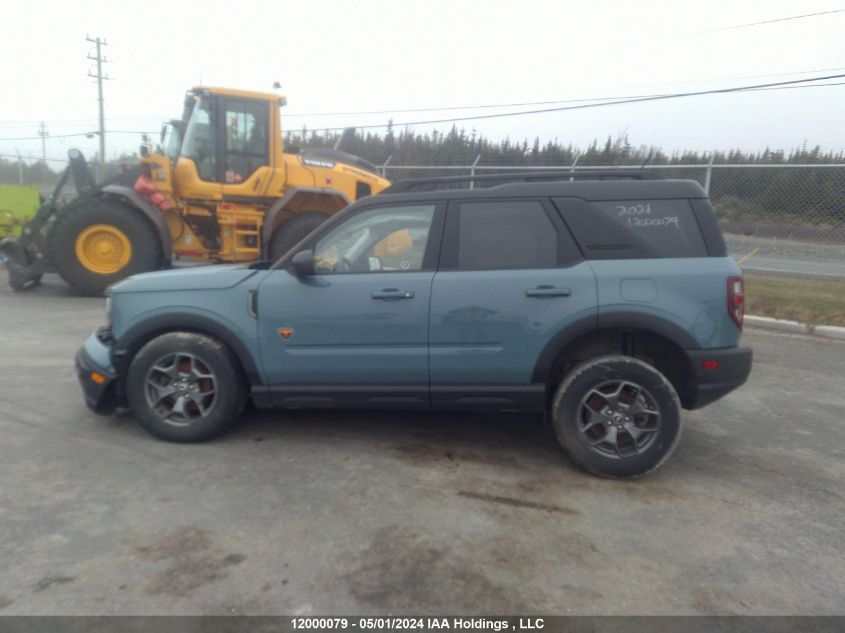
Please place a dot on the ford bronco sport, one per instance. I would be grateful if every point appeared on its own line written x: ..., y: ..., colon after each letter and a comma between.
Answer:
x: 606, y: 300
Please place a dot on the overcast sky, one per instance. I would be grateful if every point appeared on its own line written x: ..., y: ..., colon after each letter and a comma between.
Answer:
x: 361, y: 55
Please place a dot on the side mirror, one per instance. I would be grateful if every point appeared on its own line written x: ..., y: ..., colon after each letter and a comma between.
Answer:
x: 303, y: 264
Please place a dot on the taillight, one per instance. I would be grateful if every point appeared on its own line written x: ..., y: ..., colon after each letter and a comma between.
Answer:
x: 736, y: 300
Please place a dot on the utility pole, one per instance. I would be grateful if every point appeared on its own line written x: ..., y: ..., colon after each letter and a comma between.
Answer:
x: 100, y: 77
x: 20, y: 166
x: 42, y: 132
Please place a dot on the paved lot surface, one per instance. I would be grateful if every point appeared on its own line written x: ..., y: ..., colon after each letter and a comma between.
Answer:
x: 374, y: 512
x: 789, y: 257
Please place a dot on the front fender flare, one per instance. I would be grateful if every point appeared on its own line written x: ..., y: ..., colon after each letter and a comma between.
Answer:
x: 132, y: 340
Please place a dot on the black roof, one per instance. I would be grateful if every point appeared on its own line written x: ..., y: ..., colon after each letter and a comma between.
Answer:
x: 613, y: 185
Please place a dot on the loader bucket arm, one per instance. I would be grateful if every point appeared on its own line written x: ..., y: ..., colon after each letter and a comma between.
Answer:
x: 26, y: 260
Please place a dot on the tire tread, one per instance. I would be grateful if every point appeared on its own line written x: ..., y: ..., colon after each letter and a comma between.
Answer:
x: 563, y: 432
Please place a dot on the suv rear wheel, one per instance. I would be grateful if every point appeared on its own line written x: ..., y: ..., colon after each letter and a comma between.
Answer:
x: 185, y: 387
x: 617, y: 416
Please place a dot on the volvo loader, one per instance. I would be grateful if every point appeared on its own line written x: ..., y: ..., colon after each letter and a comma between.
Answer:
x: 219, y: 187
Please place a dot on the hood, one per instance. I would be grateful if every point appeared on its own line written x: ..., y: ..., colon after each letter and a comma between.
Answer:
x: 195, y: 278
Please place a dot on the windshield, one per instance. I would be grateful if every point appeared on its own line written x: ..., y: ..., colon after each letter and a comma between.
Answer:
x: 171, y: 139
x: 200, y: 143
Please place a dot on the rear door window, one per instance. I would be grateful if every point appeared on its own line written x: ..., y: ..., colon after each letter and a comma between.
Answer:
x: 506, y: 235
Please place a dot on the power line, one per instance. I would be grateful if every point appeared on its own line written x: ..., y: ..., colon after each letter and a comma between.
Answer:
x: 786, y: 19
x: 88, y: 134
x: 797, y: 83
x: 793, y: 84
x: 553, y: 101
x: 640, y: 99
x: 60, y: 122
x: 11, y: 123
x: 22, y: 158
x: 35, y: 138
x: 837, y: 83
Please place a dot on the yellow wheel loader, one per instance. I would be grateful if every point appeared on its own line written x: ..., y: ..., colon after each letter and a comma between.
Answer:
x: 219, y: 188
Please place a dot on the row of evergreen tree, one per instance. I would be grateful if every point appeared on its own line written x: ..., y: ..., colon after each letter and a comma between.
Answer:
x: 815, y: 193
x: 461, y: 147
x: 790, y: 195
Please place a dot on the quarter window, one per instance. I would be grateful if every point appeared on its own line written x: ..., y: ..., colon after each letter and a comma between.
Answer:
x: 506, y: 235
x: 380, y: 239
x: 668, y: 227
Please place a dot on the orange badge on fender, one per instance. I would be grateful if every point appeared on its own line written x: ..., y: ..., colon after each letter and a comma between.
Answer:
x: 285, y: 332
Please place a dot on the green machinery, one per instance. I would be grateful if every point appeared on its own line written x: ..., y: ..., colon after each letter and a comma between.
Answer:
x: 18, y: 203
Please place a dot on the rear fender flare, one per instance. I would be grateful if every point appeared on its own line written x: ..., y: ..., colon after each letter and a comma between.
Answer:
x: 613, y: 320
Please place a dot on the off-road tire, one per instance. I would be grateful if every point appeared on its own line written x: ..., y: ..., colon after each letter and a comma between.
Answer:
x: 71, y: 221
x: 229, y: 385
x: 566, y: 415
x: 294, y: 229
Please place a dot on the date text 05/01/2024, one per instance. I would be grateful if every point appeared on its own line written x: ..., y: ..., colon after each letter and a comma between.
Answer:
x: 416, y: 624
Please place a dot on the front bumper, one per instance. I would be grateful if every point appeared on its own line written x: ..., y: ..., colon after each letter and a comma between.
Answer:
x: 96, y: 375
x: 733, y: 365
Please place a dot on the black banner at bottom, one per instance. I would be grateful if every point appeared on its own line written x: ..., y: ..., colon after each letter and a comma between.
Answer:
x: 420, y: 624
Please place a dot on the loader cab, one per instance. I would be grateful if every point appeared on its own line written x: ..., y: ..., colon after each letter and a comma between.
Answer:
x: 231, y: 145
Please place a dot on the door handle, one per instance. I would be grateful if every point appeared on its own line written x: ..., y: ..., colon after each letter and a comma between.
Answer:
x: 548, y: 291
x: 393, y: 293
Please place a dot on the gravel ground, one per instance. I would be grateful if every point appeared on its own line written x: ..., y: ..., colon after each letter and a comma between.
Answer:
x: 363, y: 512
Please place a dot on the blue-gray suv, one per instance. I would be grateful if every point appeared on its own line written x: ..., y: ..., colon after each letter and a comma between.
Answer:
x: 606, y: 300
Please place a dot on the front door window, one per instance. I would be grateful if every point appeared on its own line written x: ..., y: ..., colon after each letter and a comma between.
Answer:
x: 377, y: 240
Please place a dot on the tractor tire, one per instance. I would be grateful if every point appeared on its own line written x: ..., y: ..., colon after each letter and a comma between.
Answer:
x: 293, y: 230
x: 99, y: 241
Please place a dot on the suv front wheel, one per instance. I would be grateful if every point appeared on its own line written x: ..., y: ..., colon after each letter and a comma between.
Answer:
x: 617, y: 416
x: 185, y: 387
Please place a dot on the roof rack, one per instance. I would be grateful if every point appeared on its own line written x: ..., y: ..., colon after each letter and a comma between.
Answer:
x: 596, y: 174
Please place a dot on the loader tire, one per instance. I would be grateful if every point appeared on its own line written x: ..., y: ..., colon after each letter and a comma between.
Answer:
x: 99, y: 241
x: 292, y: 230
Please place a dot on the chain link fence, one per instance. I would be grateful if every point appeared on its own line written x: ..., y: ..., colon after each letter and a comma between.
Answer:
x: 795, y: 210
x: 803, y: 203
